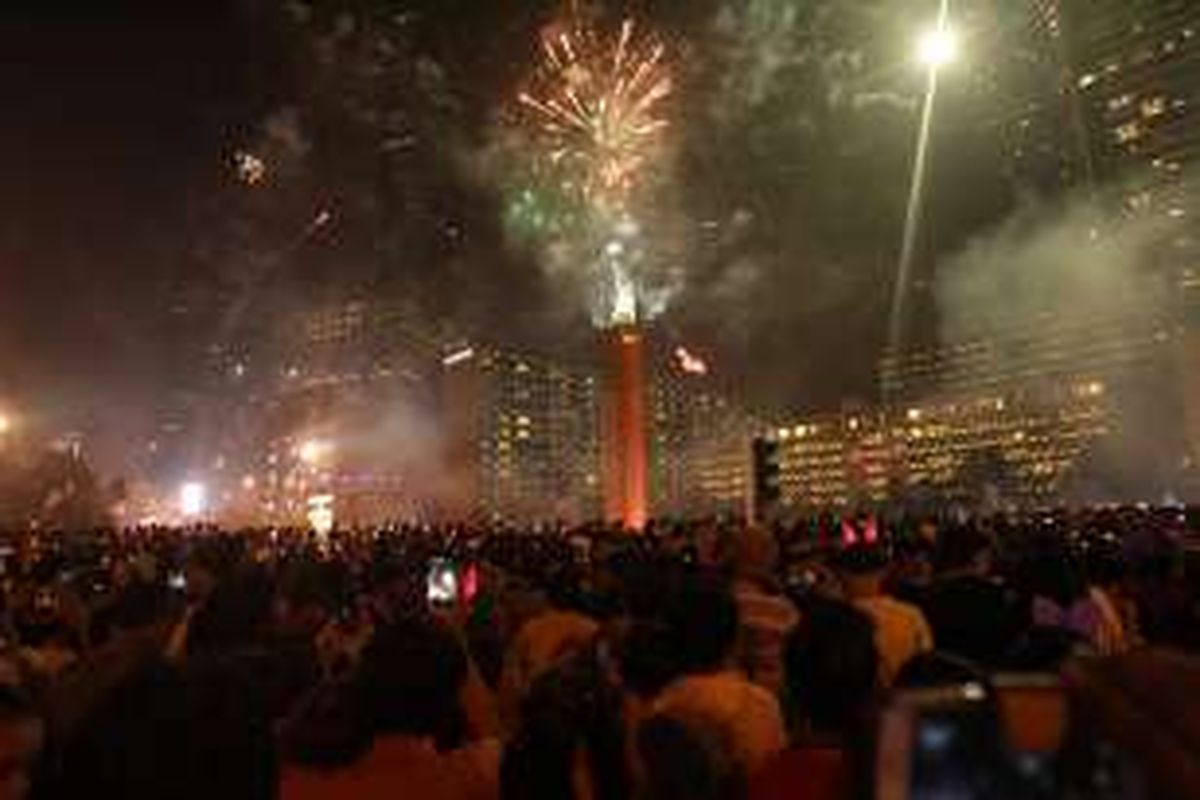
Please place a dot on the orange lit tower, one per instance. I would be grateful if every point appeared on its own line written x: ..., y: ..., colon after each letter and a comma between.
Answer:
x: 625, y: 445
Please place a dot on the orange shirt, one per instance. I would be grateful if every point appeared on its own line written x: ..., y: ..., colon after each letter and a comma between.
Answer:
x: 901, y: 632
x: 543, y: 643
x: 747, y: 711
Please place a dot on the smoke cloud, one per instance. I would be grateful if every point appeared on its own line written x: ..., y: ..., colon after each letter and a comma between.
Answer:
x: 1100, y: 269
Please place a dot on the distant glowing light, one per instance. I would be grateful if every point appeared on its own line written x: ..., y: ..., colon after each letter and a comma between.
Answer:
x: 5, y: 424
x: 938, y: 47
x: 322, y: 219
x: 459, y: 357
x: 250, y: 168
x: 193, y: 498
x: 320, y: 514
x: 690, y: 363
x: 313, y: 451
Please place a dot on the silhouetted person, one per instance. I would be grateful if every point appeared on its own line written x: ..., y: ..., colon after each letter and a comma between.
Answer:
x: 832, y: 678
x: 702, y: 628
x: 689, y: 757
x: 164, y: 732
x: 972, y: 613
x: 765, y: 615
x: 569, y: 743
x: 901, y: 631
x: 407, y: 691
x: 22, y: 737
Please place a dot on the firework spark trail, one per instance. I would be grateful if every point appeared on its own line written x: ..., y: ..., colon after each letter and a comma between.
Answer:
x: 595, y: 100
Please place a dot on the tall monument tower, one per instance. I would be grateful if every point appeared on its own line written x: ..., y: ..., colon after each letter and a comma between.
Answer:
x: 624, y: 441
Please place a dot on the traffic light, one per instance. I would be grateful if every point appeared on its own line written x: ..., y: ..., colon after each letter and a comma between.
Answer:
x: 766, y: 476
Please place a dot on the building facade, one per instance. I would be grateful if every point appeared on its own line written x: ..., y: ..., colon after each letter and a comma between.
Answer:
x: 350, y: 406
x: 700, y: 457
x: 990, y: 452
x: 522, y: 436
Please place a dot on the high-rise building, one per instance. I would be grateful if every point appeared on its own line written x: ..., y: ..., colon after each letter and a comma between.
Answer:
x: 523, y: 436
x: 987, y: 451
x: 1042, y: 354
x: 1024, y: 79
x: 1100, y: 98
x: 358, y: 382
x: 700, y: 451
x: 1136, y: 68
x: 530, y: 438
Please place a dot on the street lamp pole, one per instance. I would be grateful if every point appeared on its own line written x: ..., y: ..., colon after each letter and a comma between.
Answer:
x: 936, y: 49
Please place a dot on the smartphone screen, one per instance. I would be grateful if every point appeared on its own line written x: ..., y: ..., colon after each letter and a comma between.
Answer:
x: 442, y: 583
x: 943, y: 745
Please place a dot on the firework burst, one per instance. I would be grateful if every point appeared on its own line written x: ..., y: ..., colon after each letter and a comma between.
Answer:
x: 596, y: 100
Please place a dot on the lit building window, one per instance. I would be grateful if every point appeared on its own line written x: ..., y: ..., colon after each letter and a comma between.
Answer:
x: 1120, y: 102
x: 1128, y: 132
x: 1154, y: 107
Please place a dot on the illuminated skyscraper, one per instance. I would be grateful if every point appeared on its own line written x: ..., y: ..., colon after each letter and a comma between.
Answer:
x: 1137, y: 72
x: 1026, y: 82
x: 983, y: 452
x: 1136, y: 67
x: 700, y: 452
x: 1096, y: 101
x: 522, y: 436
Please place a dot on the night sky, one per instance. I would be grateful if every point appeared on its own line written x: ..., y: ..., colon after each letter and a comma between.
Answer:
x: 791, y: 130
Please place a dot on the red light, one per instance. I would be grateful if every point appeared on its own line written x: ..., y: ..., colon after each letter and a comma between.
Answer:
x: 470, y: 583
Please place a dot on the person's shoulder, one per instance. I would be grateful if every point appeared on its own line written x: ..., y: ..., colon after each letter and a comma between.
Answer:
x: 556, y: 619
x: 902, y: 608
x: 760, y: 696
x: 761, y: 605
x: 707, y: 689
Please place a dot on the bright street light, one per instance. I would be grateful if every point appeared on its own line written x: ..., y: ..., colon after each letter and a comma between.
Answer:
x: 938, y: 47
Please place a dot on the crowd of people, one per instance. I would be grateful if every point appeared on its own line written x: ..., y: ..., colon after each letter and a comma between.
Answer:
x: 711, y: 660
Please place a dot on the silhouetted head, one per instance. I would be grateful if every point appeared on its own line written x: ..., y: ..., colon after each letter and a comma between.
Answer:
x: 832, y: 667
x: 409, y: 680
